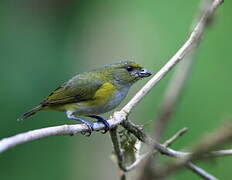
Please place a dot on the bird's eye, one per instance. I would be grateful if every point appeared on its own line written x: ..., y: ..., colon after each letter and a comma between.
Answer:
x: 129, y: 68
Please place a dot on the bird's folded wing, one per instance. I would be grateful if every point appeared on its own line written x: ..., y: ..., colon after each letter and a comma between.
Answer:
x: 76, y: 90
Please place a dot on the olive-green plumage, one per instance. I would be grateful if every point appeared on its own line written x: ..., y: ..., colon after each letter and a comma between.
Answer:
x: 95, y: 92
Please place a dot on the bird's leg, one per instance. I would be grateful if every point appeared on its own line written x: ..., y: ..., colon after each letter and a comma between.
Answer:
x: 71, y: 115
x: 102, y: 119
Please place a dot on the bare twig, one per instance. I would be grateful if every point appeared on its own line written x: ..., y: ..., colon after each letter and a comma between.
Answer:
x: 177, y: 83
x: 219, y: 153
x: 179, y: 79
x: 220, y: 137
x: 138, y: 162
x: 143, y: 157
x: 134, y: 129
x: 179, y: 133
x: 201, y: 172
x: 195, y: 36
x: 13, y: 141
x: 201, y: 151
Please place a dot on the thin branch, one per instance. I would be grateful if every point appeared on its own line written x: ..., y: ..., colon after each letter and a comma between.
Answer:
x: 179, y: 133
x: 178, y: 80
x: 201, y: 172
x: 176, y: 86
x: 144, y: 157
x: 219, y: 153
x: 7, y: 143
x: 197, y: 170
x: 201, y: 151
x: 191, y: 42
x: 224, y: 137
x: 138, y: 162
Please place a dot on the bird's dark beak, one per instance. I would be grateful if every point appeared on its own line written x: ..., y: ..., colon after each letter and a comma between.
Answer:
x: 144, y: 73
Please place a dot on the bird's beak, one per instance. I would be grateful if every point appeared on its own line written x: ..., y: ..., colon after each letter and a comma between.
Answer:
x: 144, y: 73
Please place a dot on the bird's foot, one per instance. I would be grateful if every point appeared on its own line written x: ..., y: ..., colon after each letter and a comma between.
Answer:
x: 71, y: 115
x: 101, y: 119
x: 90, y: 127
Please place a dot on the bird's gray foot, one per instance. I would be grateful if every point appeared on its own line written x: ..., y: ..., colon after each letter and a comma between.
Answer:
x: 71, y: 115
x: 102, y: 119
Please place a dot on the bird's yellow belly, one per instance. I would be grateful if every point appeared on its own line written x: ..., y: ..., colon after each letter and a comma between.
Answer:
x: 105, y: 99
x: 87, y: 108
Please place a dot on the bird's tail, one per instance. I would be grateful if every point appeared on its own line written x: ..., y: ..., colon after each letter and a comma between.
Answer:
x: 30, y: 113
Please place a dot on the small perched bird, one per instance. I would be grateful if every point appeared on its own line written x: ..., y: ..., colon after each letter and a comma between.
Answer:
x: 93, y: 93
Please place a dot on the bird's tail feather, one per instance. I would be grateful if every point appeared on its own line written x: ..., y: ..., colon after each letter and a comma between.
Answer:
x: 30, y: 113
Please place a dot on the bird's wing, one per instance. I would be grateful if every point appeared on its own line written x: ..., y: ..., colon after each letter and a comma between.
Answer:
x: 77, y: 89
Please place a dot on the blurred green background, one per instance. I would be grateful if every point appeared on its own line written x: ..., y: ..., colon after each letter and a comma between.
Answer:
x: 44, y: 43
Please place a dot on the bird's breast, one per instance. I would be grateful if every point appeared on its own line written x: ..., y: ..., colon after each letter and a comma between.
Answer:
x: 106, y: 98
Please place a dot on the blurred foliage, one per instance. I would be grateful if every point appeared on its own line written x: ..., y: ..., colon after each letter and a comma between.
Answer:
x: 130, y: 146
x: 44, y: 43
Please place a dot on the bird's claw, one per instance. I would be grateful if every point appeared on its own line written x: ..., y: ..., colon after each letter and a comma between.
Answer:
x: 71, y: 115
x: 107, y: 127
x: 101, y: 119
x: 90, y: 129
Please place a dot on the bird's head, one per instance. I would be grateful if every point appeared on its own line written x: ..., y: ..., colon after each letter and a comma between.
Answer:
x: 127, y: 72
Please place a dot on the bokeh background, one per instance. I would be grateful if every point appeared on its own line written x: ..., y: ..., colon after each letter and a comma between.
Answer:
x: 44, y: 43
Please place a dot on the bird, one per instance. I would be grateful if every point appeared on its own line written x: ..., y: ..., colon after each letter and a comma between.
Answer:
x: 93, y: 93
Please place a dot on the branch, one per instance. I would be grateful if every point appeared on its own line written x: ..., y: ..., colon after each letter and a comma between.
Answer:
x: 7, y: 143
x: 179, y: 133
x: 202, y: 150
x: 185, y: 157
x: 179, y: 78
x: 201, y: 172
x: 185, y: 49
x: 143, y: 157
x: 177, y: 83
